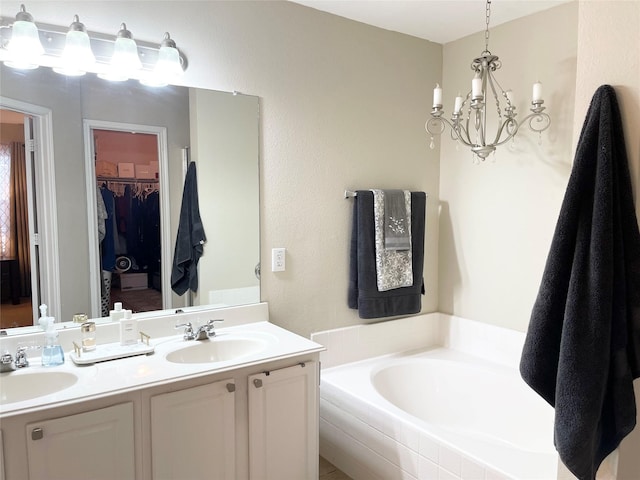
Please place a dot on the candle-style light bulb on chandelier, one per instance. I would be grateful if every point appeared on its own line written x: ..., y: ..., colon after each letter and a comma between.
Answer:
x: 471, y: 129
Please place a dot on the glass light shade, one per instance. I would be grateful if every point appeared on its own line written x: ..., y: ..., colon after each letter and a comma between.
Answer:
x: 125, y: 61
x: 77, y: 57
x: 168, y: 64
x: 24, y: 47
x: 168, y: 68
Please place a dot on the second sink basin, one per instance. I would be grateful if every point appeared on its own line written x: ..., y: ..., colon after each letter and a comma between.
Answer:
x: 18, y: 387
x: 217, y: 349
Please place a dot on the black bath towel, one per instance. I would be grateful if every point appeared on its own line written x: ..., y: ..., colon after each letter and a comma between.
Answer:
x: 582, y: 349
x: 190, y: 239
x: 363, y: 292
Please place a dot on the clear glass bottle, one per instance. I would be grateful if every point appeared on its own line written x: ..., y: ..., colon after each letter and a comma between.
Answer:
x: 88, y: 330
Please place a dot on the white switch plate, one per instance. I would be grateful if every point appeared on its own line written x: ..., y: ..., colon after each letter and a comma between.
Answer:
x: 278, y: 259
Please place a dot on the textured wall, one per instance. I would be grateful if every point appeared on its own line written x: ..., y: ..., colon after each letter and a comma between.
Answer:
x: 497, y: 218
x: 343, y: 106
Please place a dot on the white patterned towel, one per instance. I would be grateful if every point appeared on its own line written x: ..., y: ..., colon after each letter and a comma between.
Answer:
x: 393, y: 267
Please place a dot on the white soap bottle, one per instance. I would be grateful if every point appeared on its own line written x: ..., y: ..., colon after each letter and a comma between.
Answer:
x: 117, y: 313
x: 44, y: 320
x: 128, y: 329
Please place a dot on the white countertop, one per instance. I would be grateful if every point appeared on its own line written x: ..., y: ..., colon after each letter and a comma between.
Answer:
x: 133, y: 373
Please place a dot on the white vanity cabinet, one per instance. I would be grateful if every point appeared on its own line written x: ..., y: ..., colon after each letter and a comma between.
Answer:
x: 98, y: 439
x: 254, y: 420
x: 98, y: 444
x: 193, y: 433
x: 283, y: 423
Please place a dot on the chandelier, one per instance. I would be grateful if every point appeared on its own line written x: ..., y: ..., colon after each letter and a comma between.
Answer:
x: 72, y: 52
x: 470, y: 127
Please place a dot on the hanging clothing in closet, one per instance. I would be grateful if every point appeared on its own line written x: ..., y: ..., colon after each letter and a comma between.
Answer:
x: 136, y: 228
x: 108, y: 245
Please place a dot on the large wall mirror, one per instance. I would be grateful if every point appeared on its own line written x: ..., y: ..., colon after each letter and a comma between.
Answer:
x: 84, y: 130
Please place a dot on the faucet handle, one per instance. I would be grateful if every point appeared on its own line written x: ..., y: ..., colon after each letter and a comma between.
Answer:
x: 7, y: 363
x: 188, y: 330
x: 6, y: 358
x: 210, y: 323
x: 208, y: 327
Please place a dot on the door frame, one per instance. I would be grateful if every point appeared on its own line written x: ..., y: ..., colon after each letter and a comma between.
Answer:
x: 47, y: 267
x: 163, y: 177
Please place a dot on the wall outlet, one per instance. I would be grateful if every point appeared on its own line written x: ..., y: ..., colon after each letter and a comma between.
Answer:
x: 278, y: 259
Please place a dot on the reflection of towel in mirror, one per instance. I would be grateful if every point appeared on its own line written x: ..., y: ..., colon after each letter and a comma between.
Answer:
x: 190, y: 239
x: 582, y: 349
x: 393, y: 265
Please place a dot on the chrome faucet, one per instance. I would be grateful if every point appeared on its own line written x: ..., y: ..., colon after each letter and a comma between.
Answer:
x: 202, y: 333
x: 9, y: 364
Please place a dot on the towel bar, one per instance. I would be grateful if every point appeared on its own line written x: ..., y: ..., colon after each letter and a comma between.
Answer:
x: 352, y: 194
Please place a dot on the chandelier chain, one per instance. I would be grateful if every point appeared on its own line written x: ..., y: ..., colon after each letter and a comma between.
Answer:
x: 486, y: 31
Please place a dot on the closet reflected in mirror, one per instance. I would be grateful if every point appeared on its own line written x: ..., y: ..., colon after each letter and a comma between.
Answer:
x: 126, y: 167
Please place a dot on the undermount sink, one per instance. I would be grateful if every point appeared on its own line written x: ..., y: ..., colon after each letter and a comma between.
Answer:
x: 18, y: 387
x: 217, y: 349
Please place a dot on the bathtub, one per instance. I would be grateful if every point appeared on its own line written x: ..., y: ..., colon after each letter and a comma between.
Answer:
x: 434, y: 414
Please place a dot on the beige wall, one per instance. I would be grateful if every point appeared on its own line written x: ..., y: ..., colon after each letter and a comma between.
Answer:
x: 497, y: 218
x: 609, y: 53
x: 343, y: 106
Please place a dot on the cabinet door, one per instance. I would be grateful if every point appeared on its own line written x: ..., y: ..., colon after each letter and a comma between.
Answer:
x: 193, y: 433
x: 96, y: 444
x: 283, y: 423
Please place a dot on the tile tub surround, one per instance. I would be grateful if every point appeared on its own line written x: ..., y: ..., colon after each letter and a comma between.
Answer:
x: 360, y: 342
x: 367, y: 443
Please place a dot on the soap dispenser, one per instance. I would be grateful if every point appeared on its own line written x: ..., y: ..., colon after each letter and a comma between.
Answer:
x: 52, y: 353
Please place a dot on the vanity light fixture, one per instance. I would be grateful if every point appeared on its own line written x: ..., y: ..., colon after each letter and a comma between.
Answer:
x: 72, y: 51
x: 24, y: 49
x: 77, y: 57
x: 471, y: 130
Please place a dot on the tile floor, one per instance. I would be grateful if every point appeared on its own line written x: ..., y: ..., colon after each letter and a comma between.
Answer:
x: 329, y: 472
